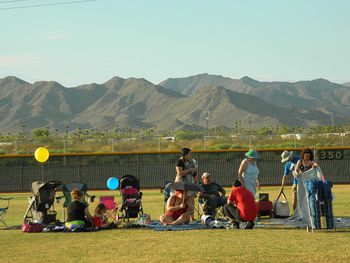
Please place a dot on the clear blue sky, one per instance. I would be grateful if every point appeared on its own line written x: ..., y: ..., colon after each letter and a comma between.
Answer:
x: 156, y: 39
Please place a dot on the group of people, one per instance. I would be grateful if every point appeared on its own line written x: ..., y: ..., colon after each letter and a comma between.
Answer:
x: 294, y: 166
x: 240, y: 204
x: 79, y: 215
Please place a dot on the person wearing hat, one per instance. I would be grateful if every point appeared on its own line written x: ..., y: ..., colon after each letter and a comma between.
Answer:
x: 290, y: 164
x: 248, y: 171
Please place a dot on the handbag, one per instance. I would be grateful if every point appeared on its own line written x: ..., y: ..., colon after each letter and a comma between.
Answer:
x: 30, y: 227
x: 281, y: 207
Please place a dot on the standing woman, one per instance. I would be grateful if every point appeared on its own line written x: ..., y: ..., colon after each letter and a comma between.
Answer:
x: 185, y: 172
x: 248, y: 171
x: 306, y: 162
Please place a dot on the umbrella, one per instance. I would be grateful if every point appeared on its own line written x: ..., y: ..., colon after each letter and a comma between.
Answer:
x: 186, y: 186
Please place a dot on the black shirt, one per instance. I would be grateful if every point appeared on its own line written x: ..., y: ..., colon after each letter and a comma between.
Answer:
x: 212, y: 188
x: 181, y: 163
x: 185, y: 165
x: 76, y: 211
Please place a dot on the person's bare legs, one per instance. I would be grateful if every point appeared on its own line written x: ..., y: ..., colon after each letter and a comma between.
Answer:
x: 184, y: 218
x: 295, y: 197
x: 190, y: 204
x: 166, y: 220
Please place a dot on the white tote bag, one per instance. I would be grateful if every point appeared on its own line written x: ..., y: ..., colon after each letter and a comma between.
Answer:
x: 281, y: 207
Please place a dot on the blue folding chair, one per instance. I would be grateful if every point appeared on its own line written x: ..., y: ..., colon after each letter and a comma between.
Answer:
x: 3, y: 210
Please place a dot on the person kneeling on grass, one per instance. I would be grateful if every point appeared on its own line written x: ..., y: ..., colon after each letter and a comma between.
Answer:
x: 241, y: 206
x: 177, y: 211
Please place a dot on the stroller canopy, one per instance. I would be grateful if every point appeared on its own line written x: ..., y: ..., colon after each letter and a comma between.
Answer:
x: 129, y: 180
x: 39, y: 186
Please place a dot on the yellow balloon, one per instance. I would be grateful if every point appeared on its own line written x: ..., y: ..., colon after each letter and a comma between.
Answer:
x: 41, y: 154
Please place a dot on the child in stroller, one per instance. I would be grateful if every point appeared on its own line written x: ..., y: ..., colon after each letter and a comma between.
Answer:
x: 131, y: 197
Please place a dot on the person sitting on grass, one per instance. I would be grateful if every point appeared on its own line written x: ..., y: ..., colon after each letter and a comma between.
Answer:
x: 177, y: 211
x: 78, y: 212
x: 100, y: 220
x: 241, y: 206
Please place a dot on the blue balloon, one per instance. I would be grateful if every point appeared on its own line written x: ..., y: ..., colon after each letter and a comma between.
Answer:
x: 112, y: 183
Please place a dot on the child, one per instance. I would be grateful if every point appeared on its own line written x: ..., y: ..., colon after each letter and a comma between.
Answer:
x: 100, y: 219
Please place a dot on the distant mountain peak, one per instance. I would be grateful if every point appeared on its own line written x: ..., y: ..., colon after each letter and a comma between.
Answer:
x: 49, y: 84
x: 251, y: 82
x: 114, y: 79
x: 11, y: 79
x: 321, y: 80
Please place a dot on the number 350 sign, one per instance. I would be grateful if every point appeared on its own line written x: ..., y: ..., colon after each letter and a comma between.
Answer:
x: 330, y: 154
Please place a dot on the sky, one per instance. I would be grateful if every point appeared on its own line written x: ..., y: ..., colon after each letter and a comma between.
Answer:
x: 92, y: 41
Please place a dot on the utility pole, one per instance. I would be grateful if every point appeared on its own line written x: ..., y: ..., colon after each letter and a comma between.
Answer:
x: 332, y: 118
x: 250, y: 133
x: 23, y: 131
x: 206, y: 121
x: 67, y: 130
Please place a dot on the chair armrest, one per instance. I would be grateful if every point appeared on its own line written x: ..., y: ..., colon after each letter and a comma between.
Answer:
x: 59, y: 198
x: 6, y: 198
x: 91, y: 197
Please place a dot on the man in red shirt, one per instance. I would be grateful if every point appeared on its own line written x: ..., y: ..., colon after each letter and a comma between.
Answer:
x: 241, y: 205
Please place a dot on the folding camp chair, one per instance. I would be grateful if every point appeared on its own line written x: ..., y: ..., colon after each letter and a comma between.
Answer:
x: 4, y: 209
x: 111, y: 207
x: 203, y: 209
x: 166, y: 189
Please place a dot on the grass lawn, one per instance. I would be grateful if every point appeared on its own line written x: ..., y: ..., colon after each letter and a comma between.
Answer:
x: 142, y: 245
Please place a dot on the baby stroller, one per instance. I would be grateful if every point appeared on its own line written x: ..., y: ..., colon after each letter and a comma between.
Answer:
x: 39, y: 205
x: 131, y: 197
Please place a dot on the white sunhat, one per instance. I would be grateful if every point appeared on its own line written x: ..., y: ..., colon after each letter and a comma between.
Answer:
x: 286, y: 155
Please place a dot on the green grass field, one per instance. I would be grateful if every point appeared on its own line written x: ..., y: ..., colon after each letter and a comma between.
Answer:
x: 142, y: 245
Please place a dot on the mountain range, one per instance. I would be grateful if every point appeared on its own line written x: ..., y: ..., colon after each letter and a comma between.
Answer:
x: 175, y: 103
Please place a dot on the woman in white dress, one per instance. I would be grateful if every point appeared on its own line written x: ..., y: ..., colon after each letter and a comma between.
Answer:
x: 248, y: 171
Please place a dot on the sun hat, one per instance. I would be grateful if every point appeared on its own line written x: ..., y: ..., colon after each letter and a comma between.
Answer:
x: 252, y: 153
x: 286, y: 155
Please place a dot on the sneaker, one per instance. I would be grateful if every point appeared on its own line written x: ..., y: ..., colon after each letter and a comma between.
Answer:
x: 250, y: 225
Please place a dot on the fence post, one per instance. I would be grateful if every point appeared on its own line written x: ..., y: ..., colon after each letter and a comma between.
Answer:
x: 138, y: 166
x: 16, y: 150
x: 64, y: 151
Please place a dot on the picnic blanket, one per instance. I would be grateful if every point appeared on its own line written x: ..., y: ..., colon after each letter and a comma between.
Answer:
x: 287, y: 223
x: 157, y: 226
x: 273, y: 223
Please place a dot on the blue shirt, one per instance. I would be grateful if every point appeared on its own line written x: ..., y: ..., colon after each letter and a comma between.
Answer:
x: 289, y: 168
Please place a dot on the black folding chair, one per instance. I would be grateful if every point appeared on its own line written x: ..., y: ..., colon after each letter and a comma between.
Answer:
x: 5, y: 202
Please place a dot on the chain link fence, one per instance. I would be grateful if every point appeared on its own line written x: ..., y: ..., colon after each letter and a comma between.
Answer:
x: 154, y: 168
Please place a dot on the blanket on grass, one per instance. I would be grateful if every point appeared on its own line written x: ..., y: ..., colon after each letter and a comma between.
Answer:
x: 157, y: 226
